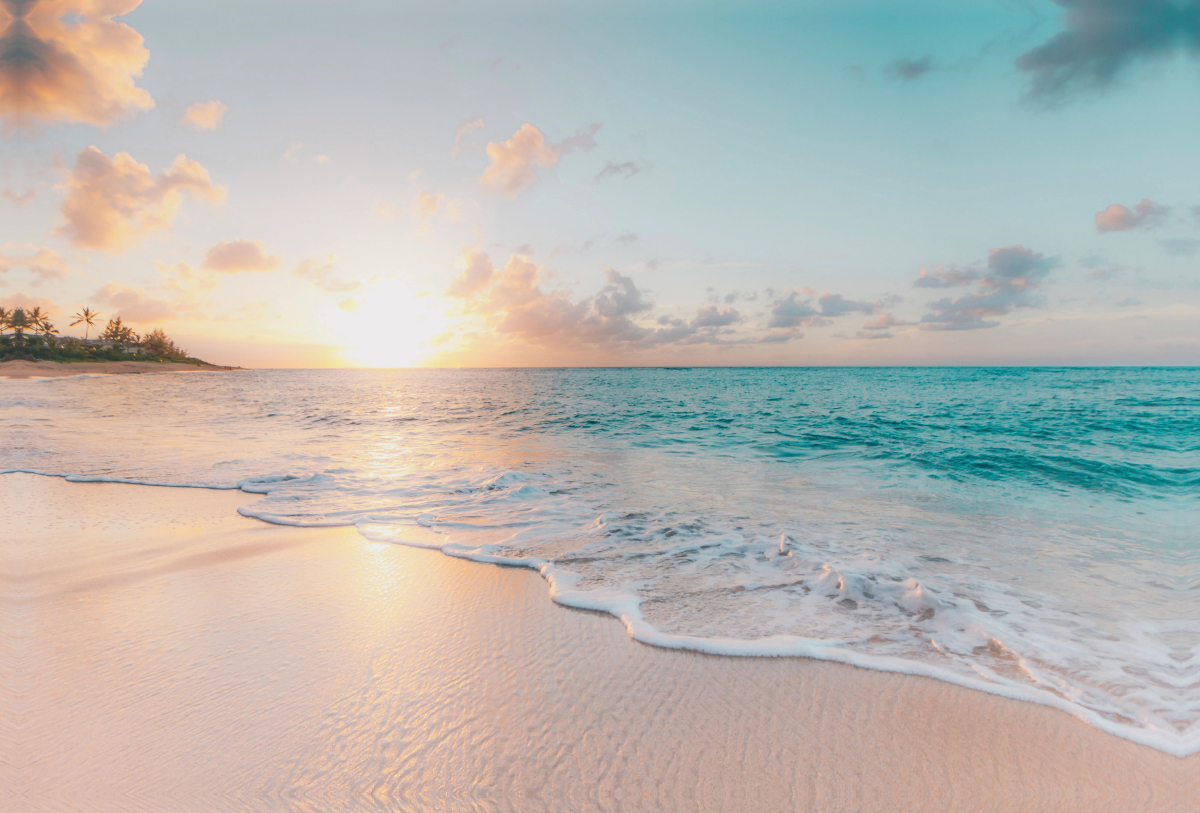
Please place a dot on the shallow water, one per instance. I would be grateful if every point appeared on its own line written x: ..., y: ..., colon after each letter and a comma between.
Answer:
x: 1028, y: 532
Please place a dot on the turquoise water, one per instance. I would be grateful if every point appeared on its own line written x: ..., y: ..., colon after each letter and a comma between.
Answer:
x: 1030, y: 532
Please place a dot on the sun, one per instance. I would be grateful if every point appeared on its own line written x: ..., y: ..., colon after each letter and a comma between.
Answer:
x: 388, y: 325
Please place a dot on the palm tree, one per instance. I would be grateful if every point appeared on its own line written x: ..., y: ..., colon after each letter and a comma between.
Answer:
x: 47, y: 331
x: 18, y: 321
x: 86, y: 317
x: 36, y: 318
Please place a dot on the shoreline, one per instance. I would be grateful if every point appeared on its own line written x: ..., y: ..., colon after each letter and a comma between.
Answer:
x: 23, y: 368
x: 186, y: 650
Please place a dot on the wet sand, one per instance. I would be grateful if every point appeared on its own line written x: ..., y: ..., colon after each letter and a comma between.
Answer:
x: 160, y: 652
x: 55, y: 369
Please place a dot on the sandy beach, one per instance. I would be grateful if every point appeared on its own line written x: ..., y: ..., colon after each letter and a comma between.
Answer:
x: 56, y: 369
x: 162, y: 652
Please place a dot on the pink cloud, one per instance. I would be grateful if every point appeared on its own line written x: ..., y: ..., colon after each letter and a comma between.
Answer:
x: 69, y: 61
x: 514, y: 306
x: 111, y: 203
x: 20, y: 300
x: 134, y: 304
x: 514, y: 161
x: 44, y: 263
x: 202, y: 116
x: 1146, y: 214
x: 239, y: 255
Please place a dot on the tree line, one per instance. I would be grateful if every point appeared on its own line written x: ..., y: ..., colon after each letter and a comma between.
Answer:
x: 25, y: 325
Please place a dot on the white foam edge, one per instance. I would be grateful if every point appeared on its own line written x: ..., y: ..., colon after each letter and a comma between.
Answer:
x: 83, y: 478
x: 625, y: 607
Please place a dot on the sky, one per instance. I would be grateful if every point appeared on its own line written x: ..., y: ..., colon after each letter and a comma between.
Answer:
x: 323, y: 183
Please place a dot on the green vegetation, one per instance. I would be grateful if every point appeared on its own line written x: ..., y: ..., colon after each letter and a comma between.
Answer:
x: 29, y: 334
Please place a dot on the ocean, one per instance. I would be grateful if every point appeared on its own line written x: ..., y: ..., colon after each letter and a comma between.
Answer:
x: 1028, y: 532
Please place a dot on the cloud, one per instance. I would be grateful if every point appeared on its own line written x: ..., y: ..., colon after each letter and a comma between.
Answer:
x: 20, y: 300
x: 790, y: 312
x: 866, y: 334
x: 204, y: 115
x: 945, y: 277
x: 513, y: 304
x: 627, y: 238
x: 239, y: 255
x: 69, y: 61
x: 1145, y: 213
x: 320, y: 273
x: 44, y: 263
x: 1180, y: 246
x: 612, y: 169
x: 837, y: 305
x: 1013, y: 274
x: 111, y: 203
x: 712, y: 316
x: 1102, y: 38
x: 884, y: 321
x: 476, y: 274
x: 429, y: 204
x: 292, y: 153
x: 348, y: 305
x: 183, y: 279
x: 908, y: 70
x: 1128, y: 302
x: 513, y: 162
x: 463, y: 130
x: 134, y: 304
x: 19, y: 198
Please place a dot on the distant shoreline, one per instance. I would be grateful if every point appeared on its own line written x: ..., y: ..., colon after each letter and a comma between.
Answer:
x: 21, y: 368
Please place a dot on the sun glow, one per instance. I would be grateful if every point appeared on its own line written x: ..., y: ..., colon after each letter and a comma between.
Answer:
x: 388, y: 325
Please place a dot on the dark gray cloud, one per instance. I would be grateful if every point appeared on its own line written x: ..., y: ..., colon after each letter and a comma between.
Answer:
x: 1013, y: 275
x: 1102, y: 38
x: 908, y: 70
